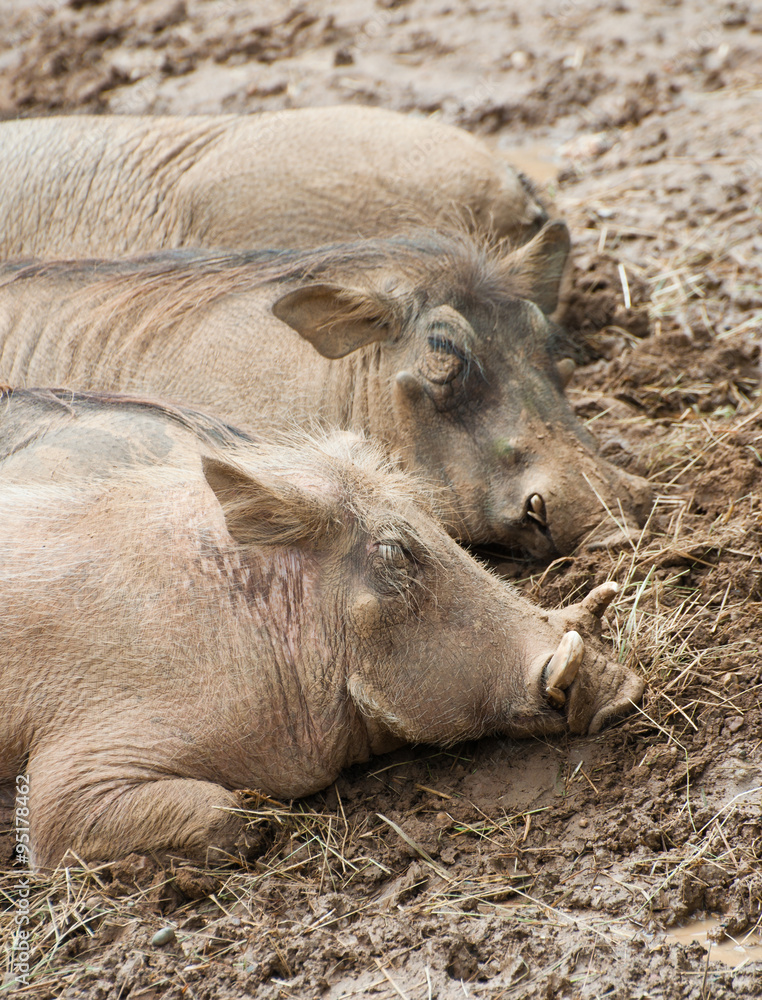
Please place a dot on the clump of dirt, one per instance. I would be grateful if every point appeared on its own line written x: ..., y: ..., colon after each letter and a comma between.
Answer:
x: 498, y: 869
x: 67, y: 62
x: 597, y: 319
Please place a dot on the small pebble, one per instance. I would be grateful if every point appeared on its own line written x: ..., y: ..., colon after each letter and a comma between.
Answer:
x: 164, y: 936
x: 583, y: 822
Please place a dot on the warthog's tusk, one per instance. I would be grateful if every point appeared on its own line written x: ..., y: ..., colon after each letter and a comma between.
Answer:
x: 566, y: 368
x: 599, y: 598
x: 537, y: 509
x: 563, y: 667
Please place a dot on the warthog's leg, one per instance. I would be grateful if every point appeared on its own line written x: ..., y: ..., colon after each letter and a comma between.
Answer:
x: 102, y: 820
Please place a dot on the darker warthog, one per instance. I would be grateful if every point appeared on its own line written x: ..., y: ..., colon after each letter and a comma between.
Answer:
x: 98, y: 186
x: 431, y: 345
x: 209, y: 614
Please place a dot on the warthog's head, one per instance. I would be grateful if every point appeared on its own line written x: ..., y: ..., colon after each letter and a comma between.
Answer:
x: 433, y: 647
x: 460, y: 380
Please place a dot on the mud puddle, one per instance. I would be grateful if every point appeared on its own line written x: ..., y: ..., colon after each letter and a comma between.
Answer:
x: 732, y: 951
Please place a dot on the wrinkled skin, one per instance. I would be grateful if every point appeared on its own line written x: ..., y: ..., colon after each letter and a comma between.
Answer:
x: 437, y: 348
x: 215, y: 614
x: 96, y: 186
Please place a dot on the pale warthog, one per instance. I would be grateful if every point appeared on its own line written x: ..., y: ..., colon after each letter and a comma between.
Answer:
x: 426, y: 344
x: 186, y: 613
x: 102, y: 185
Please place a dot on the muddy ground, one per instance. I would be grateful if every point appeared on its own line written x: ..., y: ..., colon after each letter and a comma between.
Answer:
x: 499, y: 869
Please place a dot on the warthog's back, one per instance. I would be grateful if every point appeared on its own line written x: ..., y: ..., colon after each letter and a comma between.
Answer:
x: 57, y: 435
x: 100, y: 185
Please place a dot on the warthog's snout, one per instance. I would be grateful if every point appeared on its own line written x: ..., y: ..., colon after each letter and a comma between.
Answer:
x: 571, y: 677
x: 524, y: 523
x: 579, y: 499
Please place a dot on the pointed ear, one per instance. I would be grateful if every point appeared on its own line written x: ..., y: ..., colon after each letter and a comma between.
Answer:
x: 537, y: 267
x: 266, y: 509
x: 335, y: 320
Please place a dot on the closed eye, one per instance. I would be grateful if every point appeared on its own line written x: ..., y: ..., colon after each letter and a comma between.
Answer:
x: 444, y: 346
x: 395, y: 567
x: 392, y: 553
x: 440, y: 343
x: 443, y: 361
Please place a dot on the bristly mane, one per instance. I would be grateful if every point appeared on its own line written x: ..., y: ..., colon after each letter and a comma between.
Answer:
x: 157, y: 290
x: 45, y: 402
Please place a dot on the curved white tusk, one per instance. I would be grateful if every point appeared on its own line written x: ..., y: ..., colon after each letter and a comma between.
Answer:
x: 599, y: 598
x: 566, y: 368
x: 563, y: 667
x: 537, y: 509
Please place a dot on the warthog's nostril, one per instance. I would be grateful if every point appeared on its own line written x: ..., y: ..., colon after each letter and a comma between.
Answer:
x: 536, y: 510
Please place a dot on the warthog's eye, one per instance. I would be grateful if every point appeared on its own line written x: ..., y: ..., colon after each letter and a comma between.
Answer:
x: 394, y: 567
x: 392, y: 554
x: 443, y: 360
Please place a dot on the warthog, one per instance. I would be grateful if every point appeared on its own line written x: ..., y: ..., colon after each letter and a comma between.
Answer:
x: 103, y: 185
x: 216, y: 614
x: 431, y: 345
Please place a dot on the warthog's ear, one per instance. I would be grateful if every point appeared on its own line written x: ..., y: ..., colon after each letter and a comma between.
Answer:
x: 536, y: 269
x: 266, y: 509
x: 335, y: 320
